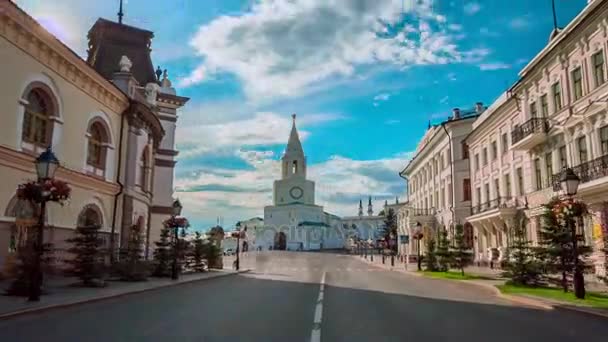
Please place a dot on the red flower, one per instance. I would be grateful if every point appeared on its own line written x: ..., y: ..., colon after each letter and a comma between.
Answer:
x: 56, y: 190
x: 174, y: 221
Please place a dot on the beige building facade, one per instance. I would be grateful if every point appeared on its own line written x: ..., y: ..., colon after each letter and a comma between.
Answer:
x: 554, y: 117
x: 109, y: 120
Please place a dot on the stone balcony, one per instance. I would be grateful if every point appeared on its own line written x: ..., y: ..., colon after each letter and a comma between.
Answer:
x: 501, y: 208
x: 426, y: 216
x: 531, y: 133
x: 593, y: 175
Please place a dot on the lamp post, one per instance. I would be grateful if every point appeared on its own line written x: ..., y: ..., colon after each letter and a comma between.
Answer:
x: 177, y: 210
x: 371, y: 249
x: 418, y: 236
x: 238, y: 244
x: 46, y: 165
x: 569, y: 182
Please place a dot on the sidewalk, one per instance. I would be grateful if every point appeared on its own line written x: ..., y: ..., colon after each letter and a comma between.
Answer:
x: 61, y: 294
x: 496, y: 279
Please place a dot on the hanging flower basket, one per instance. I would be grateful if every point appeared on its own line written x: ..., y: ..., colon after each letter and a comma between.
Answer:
x: 176, y: 222
x: 569, y: 208
x: 58, y: 191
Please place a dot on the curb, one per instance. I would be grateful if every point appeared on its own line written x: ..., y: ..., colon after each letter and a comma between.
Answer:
x: 581, y: 309
x: 513, y: 298
x: 23, y: 312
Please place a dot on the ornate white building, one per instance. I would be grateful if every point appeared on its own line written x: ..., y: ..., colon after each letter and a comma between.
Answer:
x: 294, y: 221
x: 554, y: 117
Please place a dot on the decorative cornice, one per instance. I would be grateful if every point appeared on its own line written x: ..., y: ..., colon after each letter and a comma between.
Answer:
x: 140, y: 116
x: 165, y: 162
x: 170, y: 153
x: 25, y: 163
x: 170, y: 99
x: 25, y: 33
x: 159, y: 209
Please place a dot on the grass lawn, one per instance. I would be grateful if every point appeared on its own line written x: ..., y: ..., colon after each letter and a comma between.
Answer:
x: 454, y: 275
x: 592, y: 299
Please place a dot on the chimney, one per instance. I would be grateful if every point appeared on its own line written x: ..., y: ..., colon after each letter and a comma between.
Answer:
x: 479, y: 107
x: 456, y: 112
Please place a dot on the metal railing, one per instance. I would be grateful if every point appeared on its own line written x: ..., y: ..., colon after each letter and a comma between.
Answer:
x: 422, y: 211
x: 588, y: 171
x: 534, y: 125
x: 497, y: 203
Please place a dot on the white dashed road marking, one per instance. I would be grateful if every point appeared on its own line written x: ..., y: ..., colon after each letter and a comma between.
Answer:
x: 315, y: 336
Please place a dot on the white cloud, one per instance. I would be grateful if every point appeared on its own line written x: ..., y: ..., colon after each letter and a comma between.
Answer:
x: 472, y: 8
x: 198, y: 75
x: 444, y: 99
x: 340, y: 182
x: 282, y: 47
x: 520, y: 23
x: 455, y: 27
x: 259, y: 130
x: 382, y: 97
x: 494, y: 66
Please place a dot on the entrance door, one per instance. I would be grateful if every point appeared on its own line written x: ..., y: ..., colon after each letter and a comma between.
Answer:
x: 280, y: 241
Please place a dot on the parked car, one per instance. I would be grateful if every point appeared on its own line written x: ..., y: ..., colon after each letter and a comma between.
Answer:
x: 229, y: 251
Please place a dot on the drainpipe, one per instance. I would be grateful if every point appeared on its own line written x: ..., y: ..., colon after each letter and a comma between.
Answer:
x: 121, y: 187
x: 451, y: 173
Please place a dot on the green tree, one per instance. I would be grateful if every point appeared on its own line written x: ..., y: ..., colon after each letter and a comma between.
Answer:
x: 430, y: 257
x: 24, y: 264
x: 212, y: 254
x: 198, y: 253
x: 131, y: 266
x: 522, y: 268
x: 88, y: 263
x: 557, y: 241
x: 461, y: 254
x: 444, y: 255
x: 390, y: 229
x: 162, y: 254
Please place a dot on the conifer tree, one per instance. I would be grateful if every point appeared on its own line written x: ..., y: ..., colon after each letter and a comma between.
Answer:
x: 462, y: 255
x: 430, y: 259
x: 198, y: 253
x: 88, y: 261
x: 522, y: 268
x: 390, y: 228
x: 444, y: 255
x: 556, y: 240
x: 162, y: 254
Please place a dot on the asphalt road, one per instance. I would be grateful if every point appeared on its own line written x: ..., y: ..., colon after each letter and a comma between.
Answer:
x: 283, y: 297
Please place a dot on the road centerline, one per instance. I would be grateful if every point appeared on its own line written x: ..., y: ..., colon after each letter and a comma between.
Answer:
x: 315, y: 335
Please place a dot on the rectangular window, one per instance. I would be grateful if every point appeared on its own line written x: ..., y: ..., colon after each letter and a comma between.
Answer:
x: 520, y: 181
x: 505, y: 143
x: 494, y: 150
x: 478, y: 193
x: 544, y: 106
x: 487, y: 186
x: 533, y: 110
x: 549, y: 165
x: 577, y: 83
x: 563, y: 157
x: 598, y: 68
x: 557, y: 96
x: 538, y: 174
x: 484, y: 156
x: 604, y: 140
x: 477, y: 162
x: 465, y: 151
x: 466, y: 189
x: 508, y: 186
x: 497, y: 187
x: 582, y: 149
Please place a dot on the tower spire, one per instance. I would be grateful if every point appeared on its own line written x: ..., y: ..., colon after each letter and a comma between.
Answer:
x: 360, y: 208
x: 120, y: 13
x: 370, y: 209
x: 294, y: 145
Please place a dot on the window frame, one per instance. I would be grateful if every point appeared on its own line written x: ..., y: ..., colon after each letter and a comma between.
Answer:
x: 544, y: 106
x: 505, y: 143
x: 33, y: 118
x: 582, y: 149
x: 599, y: 78
x: 604, y: 140
x: 533, y: 110
x: 577, y: 83
x: 556, y: 89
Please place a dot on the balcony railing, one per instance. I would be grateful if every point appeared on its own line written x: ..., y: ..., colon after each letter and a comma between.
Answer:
x: 422, y: 211
x: 534, y: 125
x: 497, y: 203
x: 588, y: 171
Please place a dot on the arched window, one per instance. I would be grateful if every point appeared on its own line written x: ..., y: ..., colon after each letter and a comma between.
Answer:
x: 143, y: 172
x: 90, y: 216
x: 37, y: 126
x: 98, y: 139
x: 294, y: 169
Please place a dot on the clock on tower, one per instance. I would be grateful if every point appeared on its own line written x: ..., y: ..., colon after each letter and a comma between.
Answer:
x: 296, y: 192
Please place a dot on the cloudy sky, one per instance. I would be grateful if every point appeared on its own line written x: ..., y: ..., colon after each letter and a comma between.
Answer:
x: 364, y: 77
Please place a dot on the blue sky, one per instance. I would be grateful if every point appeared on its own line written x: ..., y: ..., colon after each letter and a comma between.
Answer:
x: 364, y: 77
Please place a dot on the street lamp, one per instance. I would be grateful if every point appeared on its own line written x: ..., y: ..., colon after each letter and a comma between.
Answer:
x: 418, y: 236
x: 176, y: 211
x: 371, y: 249
x: 569, y: 182
x: 46, y: 165
x: 238, y: 244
